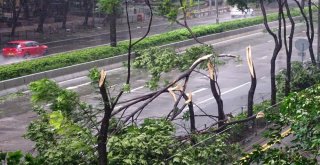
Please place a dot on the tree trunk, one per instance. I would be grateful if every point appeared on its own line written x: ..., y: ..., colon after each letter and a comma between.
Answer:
x: 288, y: 47
x: 277, y: 48
x: 302, y: 3
x: 217, y: 96
x: 113, y: 28
x: 15, y: 16
x: 88, y: 7
x: 65, y: 13
x: 44, y: 4
x: 26, y: 14
x: 103, y: 133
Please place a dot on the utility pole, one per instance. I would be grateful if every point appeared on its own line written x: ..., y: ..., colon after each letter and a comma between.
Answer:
x: 217, y: 11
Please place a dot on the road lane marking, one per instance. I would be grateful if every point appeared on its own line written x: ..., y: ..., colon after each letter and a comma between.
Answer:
x: 239, y: 65
x: 264, y: 57
x: 245, y: 36
x: 223, y: 93
x: 111, y: 70
x: 263, y: 77
x: 199, y: 90
x: 77, y: 86
x: 135, y: 89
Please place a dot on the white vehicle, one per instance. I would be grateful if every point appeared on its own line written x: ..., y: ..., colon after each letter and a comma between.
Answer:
x: 235, y: 12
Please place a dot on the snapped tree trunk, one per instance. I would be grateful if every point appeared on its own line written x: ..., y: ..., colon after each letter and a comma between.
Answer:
x: 103, y: 133
x: 113, y: 28
x: 217, y: 96
x: 253, y: 82
x: 65, y: 13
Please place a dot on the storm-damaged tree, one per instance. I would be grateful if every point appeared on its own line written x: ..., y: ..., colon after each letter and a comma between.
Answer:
x: 112, y: 8
x: 277, y: 37
x: 171, y: 10
x: 73, y: 124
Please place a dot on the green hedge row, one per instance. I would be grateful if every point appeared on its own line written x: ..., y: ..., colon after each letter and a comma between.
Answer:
x: 90, y: 54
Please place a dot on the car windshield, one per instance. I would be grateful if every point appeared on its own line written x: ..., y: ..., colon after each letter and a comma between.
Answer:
x: 12, y: 45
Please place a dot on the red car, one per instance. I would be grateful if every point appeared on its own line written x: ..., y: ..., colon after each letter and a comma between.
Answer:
x: 23, y: 49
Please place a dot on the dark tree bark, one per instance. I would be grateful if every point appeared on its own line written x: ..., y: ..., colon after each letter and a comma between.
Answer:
x: 15, y: 15
x: 113, y: 27
x: 88, y: 7
x: 253, y: 83
x: 103, y: 133
x: 288, y: 47
x: 26, y: 12
x: 109, y: 105
x: 310, y: 28
x: 276, y: 50
x: 217, y: 96
x: 43, y: 11
x: 65, y: 13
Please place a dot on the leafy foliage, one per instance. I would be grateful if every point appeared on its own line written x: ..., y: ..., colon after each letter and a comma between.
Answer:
x: 17, y: 157
x: 152, y: 143
x: 157, y: 61
x: 109, y: 6
x: 301, y: 110
x: 62, y: 135
x: 275, y: 156
x: 302, y: 77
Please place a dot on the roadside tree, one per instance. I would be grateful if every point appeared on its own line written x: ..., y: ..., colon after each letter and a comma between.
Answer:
x: 112, y: 8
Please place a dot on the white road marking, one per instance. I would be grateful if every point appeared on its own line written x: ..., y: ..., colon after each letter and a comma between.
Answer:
x: 269, y: 41
x: 135, y: 89
x: 253, y: 34
x: 77, y: 86
x: 264, y: 57
x: 199, y: 90
x: 112, y: 70
x: 239, y: 65
x: 262, y: 77
x: 223, y: 93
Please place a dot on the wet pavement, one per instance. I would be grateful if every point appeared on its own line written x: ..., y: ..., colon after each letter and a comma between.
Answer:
x: 15, y: 110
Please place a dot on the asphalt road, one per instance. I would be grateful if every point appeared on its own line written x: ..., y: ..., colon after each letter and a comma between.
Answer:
x: 122, y: 34
x: 234, y: 80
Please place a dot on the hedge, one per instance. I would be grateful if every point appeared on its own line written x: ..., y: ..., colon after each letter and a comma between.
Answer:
x: 90, y: 54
